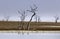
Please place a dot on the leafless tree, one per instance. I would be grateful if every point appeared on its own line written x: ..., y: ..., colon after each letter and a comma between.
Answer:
x: 56, y: 19
x: 34, y: 13
x: 37, y: 18
x: 7, y: 18
x: 22, y: 17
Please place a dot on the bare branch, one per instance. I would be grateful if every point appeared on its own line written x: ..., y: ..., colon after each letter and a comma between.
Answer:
x: 19, y: 12
x: 23, y: 15
x: 33, y: 9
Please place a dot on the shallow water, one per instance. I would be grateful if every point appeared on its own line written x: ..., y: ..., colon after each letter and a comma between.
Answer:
x: 31, y: 35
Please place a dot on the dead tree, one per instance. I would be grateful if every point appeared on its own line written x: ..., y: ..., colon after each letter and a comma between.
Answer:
x: 7, y: 18
x: 34, y: 13
x: 22, y: 17
x: 37, y: 18
x: 56, y: 19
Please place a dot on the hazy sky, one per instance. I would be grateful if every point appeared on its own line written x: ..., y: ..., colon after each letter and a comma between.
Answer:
x: 47, y: 9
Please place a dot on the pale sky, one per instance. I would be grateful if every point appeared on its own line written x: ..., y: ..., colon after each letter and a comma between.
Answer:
x: 47, y: 9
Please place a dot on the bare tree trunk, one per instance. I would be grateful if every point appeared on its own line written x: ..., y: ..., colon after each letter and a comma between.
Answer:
x: 56, y: 21
x: 28, y: 25
x: 33, y: 11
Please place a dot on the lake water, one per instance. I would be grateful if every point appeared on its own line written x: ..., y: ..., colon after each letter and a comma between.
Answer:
x: 30, y: 35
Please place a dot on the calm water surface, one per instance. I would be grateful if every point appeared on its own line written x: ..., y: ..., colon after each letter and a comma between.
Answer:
x: 40, y: 35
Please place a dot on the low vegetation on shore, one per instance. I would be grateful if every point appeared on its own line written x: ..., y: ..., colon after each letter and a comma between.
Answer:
x: 15, y: 25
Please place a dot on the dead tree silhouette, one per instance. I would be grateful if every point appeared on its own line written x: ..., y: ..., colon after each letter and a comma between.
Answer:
x: 33, y: 11
x: 37, y: 18
x: 56, y: 19
x: 7, y: 18
x: 22, y: 17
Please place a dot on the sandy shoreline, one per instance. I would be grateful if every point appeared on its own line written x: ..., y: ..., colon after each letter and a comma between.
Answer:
x: 16, y: 31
